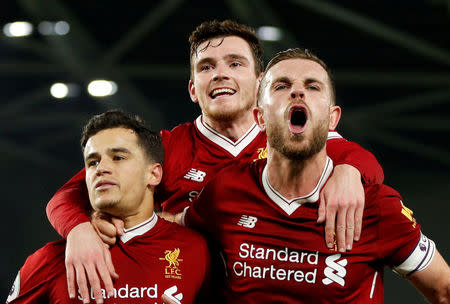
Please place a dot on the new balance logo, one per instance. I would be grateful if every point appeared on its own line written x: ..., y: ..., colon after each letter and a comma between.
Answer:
x: 195, y: 175
x: 335, y: 271
x: 247, y: 221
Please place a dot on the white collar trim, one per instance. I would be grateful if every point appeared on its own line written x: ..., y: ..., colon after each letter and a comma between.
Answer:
x: 139, y: 229
x: 234, y: 148
x: 334, y: 135
x: 289, y: 206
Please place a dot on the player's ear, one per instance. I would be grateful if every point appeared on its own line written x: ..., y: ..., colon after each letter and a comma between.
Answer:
x: 191, y: 89
x: 154, y: 174
x: 258, y: 115
x: 258, y: 111
x: 335, y: 116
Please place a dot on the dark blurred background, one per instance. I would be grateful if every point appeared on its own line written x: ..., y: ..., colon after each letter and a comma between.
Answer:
x: 390, y: 60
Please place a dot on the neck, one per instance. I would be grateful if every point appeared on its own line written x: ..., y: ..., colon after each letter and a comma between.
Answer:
x: 134, y: 214
x: 232, y: 129
x: 136, y: 219
x: 294, y: 178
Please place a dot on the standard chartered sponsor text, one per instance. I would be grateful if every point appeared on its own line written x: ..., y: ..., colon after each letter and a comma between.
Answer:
x: 249, y: 252
x: 127, y: 291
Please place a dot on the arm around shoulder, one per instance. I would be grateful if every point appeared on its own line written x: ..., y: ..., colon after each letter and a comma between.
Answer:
x: 68, y: 207
x: 342, y: 151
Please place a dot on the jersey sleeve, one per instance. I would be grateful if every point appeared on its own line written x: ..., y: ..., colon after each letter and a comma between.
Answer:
x: 70, y: 205
x: 342, y: 151
x: 32, y: 283
x: 401, y: 243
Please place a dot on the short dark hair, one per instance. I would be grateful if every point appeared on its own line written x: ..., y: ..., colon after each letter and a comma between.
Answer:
x: 215, y: 29
x: 293, y: 54
x: 150, y: 141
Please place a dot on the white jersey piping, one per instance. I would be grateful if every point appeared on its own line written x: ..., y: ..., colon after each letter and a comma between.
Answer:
x: 139, y: 229
x: 290, y: 205
x: 234, y: 148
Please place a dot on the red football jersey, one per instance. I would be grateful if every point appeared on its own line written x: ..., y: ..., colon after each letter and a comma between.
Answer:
x: 153, y: 258
x: 275, y: 251
x: 194, y: 153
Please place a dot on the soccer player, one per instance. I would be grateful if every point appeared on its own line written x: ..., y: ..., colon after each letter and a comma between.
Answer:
x: 265, y: 221
x: 154, y: 257
x: 226, y: 60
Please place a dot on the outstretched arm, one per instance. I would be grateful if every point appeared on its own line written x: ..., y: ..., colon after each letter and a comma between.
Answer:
x: 342, y: 198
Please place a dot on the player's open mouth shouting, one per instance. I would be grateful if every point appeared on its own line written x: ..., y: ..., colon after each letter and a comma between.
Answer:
x: 298, y: 118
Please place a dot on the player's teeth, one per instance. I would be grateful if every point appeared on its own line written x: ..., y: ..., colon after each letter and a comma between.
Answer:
x: 221, y: 91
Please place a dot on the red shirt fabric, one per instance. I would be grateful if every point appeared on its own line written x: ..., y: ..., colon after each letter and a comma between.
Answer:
x: 151, y: 258
x: 194, y: 153
x: 275, y: 251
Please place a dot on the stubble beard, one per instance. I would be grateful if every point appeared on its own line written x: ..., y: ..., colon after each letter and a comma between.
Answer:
x: 222, y: 115
x: 106, y: 205
x: 293, y: 152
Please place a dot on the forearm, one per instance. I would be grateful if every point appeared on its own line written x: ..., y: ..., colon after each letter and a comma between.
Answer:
x: 69, y: 206
x: 434, y: 281
x: 342, y: 151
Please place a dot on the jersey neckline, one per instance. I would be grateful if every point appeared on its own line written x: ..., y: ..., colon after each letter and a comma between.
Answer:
x: 290, y: 205
x: 139, y: 229
x: 232, y: 147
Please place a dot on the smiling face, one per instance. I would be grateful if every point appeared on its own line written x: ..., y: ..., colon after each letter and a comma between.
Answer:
x: 224, y: 78
x: 118, y: 173
x: 295, y: 108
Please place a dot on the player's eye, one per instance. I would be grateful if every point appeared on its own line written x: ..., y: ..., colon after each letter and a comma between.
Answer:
x: 93, y: 163
x: 281, y: 86
x: 206, y: 67
x: 118, y: 157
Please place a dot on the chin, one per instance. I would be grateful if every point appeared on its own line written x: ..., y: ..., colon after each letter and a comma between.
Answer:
x: 222, y: 115
x: 105, y: 203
